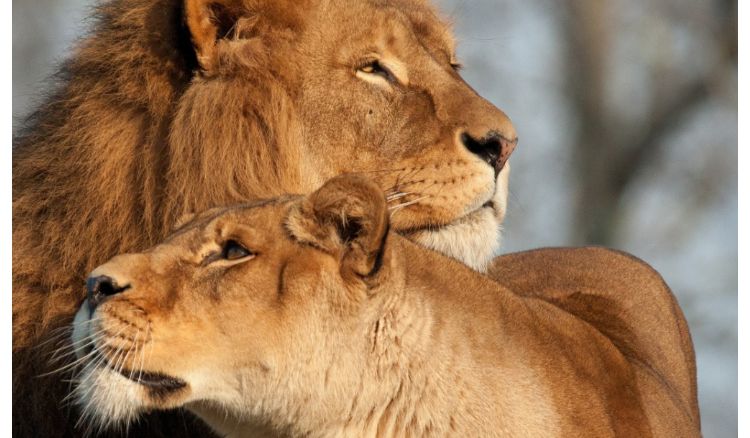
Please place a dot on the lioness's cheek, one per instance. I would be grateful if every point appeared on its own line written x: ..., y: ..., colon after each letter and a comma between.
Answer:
x: 81, y: 329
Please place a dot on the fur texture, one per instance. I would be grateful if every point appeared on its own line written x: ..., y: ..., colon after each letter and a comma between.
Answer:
x: 170, y: 107
x: 320, y: 323
x: 152, y: 120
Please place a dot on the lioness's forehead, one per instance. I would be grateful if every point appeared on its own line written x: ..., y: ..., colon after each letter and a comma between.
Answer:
x: 209, y: 223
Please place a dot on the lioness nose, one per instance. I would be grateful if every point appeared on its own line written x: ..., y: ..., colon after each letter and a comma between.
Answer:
x: 100, y: 287
x: 493, y: 148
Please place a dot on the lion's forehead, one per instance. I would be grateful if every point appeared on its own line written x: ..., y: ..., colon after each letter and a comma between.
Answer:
x: 400, y: 20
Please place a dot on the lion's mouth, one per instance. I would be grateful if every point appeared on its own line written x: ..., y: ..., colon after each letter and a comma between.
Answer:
x: 431, y: 227
x: 158, y: 384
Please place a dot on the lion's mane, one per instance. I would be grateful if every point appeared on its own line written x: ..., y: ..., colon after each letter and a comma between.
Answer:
x: 107, y: 155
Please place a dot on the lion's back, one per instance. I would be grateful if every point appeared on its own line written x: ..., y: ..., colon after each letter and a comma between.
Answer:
x: 628, y: 302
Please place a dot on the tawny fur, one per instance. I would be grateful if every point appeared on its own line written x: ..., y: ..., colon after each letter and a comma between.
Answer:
x: 150, y: 121
x: 329, y: 326
x: 143, y: 127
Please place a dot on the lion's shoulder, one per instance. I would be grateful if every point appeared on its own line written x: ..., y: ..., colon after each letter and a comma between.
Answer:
x: 621, y: 296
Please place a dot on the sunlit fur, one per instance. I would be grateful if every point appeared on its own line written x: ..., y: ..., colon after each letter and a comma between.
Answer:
x: 333, y: 327
x: 150, y: 120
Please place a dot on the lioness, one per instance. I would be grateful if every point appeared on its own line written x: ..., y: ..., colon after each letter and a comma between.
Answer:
x: 307, y: 313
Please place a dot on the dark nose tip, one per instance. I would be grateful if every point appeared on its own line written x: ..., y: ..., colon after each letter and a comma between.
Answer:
x: 493, y: 148
x: 101, y: 287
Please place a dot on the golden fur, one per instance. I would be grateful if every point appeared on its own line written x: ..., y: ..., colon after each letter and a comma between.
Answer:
x: 627, y: 301
x: 316, y: 321
x: 171, y: 107
x: 152, y: 118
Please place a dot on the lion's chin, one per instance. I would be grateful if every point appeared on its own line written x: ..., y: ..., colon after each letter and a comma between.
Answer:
x: 473, y: 239
x: 108, y: 393
x: 108, y: 399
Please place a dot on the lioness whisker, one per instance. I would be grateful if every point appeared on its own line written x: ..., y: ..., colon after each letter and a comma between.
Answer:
x: 56, y: 335
x: 71, y: 351
x: 143, y: 353
x: 72, y: 364
x: 82, y: 343
x: 135, y: 346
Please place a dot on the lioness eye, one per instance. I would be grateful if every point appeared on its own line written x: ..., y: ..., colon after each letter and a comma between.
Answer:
x: 232, y: 250
x: 376, y: 68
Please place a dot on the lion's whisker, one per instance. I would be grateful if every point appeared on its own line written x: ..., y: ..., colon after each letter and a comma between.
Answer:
x: 399, y: 207
x: 397, y: 196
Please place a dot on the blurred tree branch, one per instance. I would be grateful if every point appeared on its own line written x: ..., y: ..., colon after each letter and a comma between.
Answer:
x: 608, y: 152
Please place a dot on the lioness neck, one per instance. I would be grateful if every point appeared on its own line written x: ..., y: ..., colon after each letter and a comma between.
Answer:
x: 430, y: 360
x: 421, y: 374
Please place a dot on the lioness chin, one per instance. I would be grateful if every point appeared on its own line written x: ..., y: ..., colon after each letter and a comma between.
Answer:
x: 307, y: 315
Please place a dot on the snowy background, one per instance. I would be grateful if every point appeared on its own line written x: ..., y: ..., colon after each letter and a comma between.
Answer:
x: 627, y: 115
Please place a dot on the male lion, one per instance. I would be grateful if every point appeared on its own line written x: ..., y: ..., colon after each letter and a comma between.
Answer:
x: 316, y: 320
x: 172, y: 106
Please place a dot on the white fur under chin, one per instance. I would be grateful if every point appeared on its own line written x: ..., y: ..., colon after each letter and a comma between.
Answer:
x: 473, y: 240
x: 107, y: 399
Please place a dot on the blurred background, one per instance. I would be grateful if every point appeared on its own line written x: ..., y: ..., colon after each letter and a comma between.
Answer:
x: 627, y: 117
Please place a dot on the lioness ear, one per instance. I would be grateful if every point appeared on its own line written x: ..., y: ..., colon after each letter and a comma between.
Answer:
x: 208, y: 21
x: 347, y: 216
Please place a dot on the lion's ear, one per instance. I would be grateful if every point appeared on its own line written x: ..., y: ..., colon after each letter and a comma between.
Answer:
x: 208, y: 21
x: 348, y: 216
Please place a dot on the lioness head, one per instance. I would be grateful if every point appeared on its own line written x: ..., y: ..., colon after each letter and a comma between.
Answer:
x: 253, y: 311
x: 352, y: 86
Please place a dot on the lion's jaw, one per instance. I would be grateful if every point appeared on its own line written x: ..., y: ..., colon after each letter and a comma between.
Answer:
x: 107, y: 398
x: 474, y: 238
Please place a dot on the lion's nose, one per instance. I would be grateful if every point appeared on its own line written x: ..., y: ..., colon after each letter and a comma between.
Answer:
x: 100, y: 287
x: 493, y: 148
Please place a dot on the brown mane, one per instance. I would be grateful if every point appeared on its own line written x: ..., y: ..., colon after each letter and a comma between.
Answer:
x: 103, y: 142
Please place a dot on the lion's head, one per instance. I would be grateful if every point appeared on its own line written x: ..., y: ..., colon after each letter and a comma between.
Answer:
x: 175, y: 106
x: 363, y: 86
x: 254, y: 310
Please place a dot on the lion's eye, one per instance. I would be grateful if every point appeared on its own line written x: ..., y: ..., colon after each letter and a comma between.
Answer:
x: 376, y: 68
x: 232, y: 250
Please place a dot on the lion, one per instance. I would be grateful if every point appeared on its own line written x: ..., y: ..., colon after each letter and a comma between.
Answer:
x: 172, y: 107
x: 175, y: 106
x: 317, y: 321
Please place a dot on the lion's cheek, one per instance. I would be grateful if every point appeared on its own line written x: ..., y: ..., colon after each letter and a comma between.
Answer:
x: 474, y: 240
x: 500, y: 199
